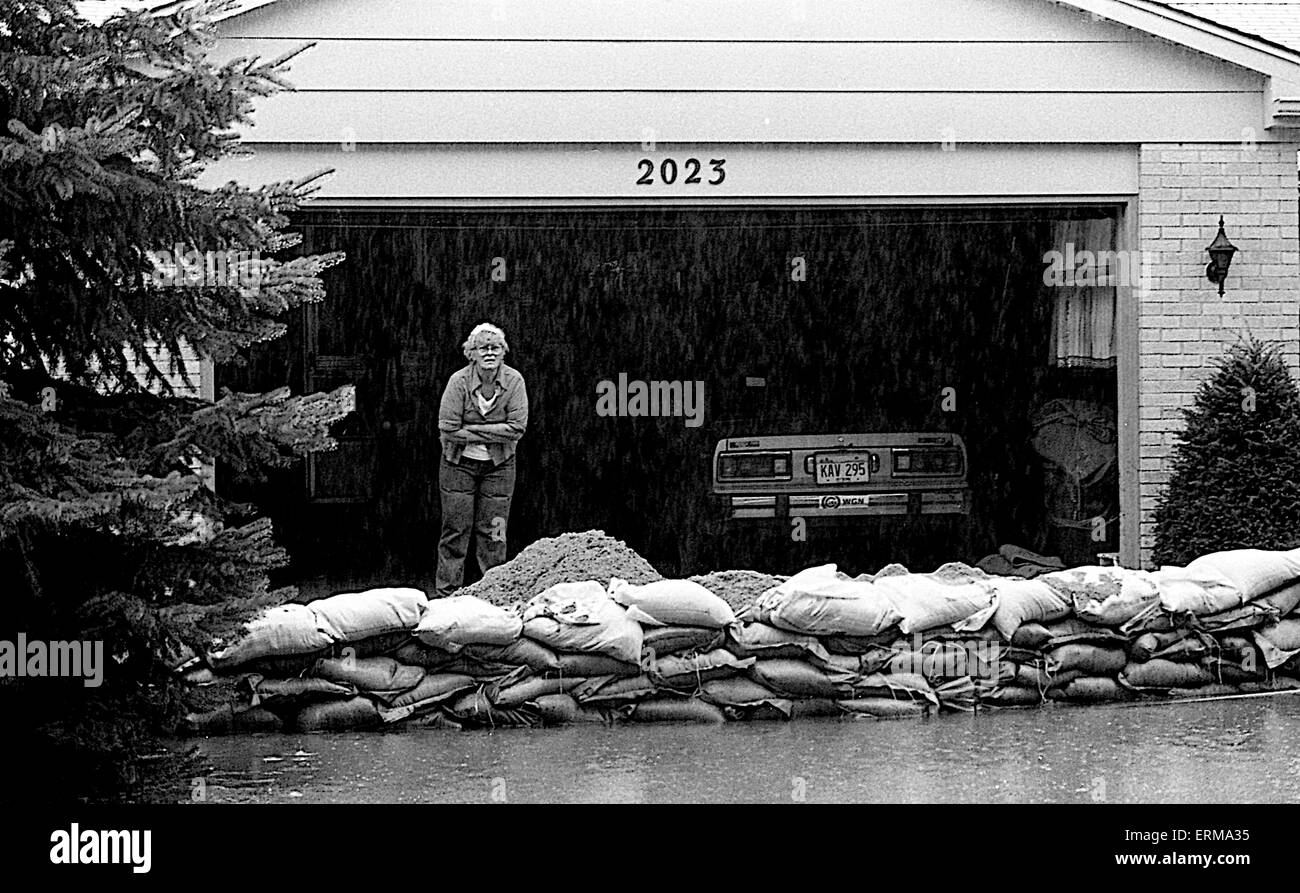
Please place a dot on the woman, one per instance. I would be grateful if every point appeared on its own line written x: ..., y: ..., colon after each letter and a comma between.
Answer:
x: 483, y: 414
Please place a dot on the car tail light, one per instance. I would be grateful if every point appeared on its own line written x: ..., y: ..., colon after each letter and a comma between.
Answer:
x: 928, y: 461
x: 754, y: 466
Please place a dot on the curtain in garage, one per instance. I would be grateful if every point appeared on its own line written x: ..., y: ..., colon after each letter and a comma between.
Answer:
x: 1083, y: 312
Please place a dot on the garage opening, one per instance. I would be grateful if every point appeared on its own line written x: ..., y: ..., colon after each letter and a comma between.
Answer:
x: 996, y: 324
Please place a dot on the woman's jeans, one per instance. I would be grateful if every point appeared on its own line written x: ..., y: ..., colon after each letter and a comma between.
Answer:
x: 475, y: 498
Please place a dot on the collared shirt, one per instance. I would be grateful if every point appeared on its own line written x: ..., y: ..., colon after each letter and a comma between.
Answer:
x: 461, y: 406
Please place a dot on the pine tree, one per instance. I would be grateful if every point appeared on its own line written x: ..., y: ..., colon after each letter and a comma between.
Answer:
x: 1236, y: 470
x: 106, y: 528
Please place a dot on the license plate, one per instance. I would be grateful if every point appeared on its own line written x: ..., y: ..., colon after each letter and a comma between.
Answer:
x: 842, y: 468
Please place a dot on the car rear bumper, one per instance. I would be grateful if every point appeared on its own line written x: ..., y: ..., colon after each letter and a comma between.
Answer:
x: 844, y: 507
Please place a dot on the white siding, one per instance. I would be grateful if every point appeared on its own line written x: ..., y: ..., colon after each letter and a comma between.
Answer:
x: 564, y: 172
x: 475, y: 71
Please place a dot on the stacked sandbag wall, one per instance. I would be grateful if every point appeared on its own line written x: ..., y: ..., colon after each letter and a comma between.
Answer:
x: 818, y: 644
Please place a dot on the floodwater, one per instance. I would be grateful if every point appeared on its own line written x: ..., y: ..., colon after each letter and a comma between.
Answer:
x: 1208, y: 752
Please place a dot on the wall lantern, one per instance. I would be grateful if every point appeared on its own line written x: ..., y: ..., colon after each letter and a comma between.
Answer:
x: 1221, y: 252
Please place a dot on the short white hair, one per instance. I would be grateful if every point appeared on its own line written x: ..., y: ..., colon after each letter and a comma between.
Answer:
x: 481, y: 333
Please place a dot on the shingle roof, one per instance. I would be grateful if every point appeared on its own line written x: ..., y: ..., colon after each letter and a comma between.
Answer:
x: 1277, y: 21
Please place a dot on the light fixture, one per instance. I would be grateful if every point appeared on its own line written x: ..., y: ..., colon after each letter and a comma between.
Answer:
x: 1221, y: 252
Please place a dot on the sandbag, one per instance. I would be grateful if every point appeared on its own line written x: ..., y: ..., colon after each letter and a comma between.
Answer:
x: 1252, y: 572
x: 855, y: 645
x: 845, y: 664
x: 350, y: 616
x: 944, y: 660
x: 672, y: 603
x: 530, y: 690
x: 298, y: 692
x: 1285, y: 599
x: 258, y: 719
x: 800, y: 679
x: 949, y: 595
x: 1090, y: 690
x: 1012, y: 696
x: 662, y: 640
x: 774, y: 710
x: 483, y: 670
x: 1158, y: 673
x: 883, y: 708
x: 677, y: 710
x: 1279, y: 641
x: 381, y: 645
x: 960, y: 694
x: 495, y: 718
x: 593, y: 665
x: 607, y: 689
x: 556, y: 709
x: 1045, y: 636
x: 1090, y: 660
x: 1226, y: 670
x: 433, y: 689
x: 820, y: 601
x: 1266, y: 609
x: 766, y: 641
x: 1196, y: 590
x: 1025, y: 601
x: 1042, y: 676
x: 470, y: 706
x: 737, y: 691
x: 354, y: 713
x: 581, y: 617
x: 279, y: 631
x: 229, y: 719
x: 903, y: 686
x: 1149, y: 645
x: 453, y: 622
x: 691, y: 671
x: 1106, y: 596
x: 1190, y: 648
x: 369, y: 673
x: 417, y: 654
x: 519, y: 653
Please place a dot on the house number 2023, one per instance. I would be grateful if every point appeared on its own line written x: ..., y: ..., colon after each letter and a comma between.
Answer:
x: 689, y: 172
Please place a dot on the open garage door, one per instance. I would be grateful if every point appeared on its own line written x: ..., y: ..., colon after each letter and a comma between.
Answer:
x: 789, y: 321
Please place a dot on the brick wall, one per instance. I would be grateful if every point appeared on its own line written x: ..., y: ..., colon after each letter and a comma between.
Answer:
x: 1183, y: 324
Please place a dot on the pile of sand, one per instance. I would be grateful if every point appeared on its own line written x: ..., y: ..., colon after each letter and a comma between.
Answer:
x: 737, y: 588
x: 567, y: 558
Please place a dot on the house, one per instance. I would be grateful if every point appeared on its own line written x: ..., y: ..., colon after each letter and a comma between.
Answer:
x: 1004, y: 202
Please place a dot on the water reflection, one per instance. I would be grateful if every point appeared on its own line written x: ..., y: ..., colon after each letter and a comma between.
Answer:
x: 1230, y: 751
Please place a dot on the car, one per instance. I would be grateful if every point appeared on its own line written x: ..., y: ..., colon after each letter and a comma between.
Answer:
x: 841, y: 477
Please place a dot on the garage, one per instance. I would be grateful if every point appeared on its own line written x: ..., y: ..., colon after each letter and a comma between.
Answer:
x: 790, y: 320
x: 984, y: 220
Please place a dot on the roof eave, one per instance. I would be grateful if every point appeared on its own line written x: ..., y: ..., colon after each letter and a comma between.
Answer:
x: 1280, y: 65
